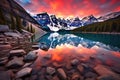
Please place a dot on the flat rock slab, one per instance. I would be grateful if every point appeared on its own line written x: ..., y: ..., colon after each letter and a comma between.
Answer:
x: 35, y: 46
x: 18, y: 52
x: 5, y: 46
x: 13, y: 34
x: 24, y: 72
x: 15, y: 63
x: 4, y: 75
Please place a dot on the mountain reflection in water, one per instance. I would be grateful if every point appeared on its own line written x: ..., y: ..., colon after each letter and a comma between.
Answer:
x: 65, y: 47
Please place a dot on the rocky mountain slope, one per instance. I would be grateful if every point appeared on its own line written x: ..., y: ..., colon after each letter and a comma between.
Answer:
x: 10, y: 6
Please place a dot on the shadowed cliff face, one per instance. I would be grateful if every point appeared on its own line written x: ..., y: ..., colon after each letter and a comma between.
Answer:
x: 10, y: 6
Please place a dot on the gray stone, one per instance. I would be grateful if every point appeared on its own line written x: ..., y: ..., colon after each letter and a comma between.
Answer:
x: 15, y: 63
x: 43, y: 46
x: 18, y: 52
x: 31, y: 56
x: 24, y: 72
x: 62, y: 73
x: 50, y: 70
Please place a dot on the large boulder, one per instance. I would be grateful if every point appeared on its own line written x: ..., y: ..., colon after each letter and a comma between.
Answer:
x: 24, y: 72
x: 15, y: 63
x: 31, y: 56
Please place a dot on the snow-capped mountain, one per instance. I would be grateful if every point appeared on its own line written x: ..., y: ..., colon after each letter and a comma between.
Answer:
x: 89, y: 20
x: 52, y: 23
x: 108, y: 16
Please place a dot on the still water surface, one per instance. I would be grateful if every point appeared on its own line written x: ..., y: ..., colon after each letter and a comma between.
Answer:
x: 66, y: 46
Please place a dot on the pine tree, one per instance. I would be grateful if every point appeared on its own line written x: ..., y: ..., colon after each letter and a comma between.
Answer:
x: 2, y: 18
x: 13, y: 26
x: 18, y: 24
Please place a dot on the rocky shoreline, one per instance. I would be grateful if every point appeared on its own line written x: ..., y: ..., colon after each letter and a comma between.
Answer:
x: 18, y: 58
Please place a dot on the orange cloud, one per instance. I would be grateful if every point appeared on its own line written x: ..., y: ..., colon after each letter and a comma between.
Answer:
x: 66, y: 8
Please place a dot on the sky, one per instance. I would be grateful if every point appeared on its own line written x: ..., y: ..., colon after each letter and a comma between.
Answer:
x: 71, y: 8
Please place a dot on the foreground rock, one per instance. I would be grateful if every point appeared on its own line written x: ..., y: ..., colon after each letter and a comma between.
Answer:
x: 35, y: 46
x: 50, y: 70
x: 74, y: 62
x: 80, y: 68
x: 48, y: 56
x: 43, y: 46
x: 5, y: 46
x: 76, y: 76
x: 31, y: 56
x: 18, y: 52
x: 23, y: 72
x: 3, y: 61
x: 4, y: 75
x: 15, y: 63
x: 62, y: 73
x: 105, y: 73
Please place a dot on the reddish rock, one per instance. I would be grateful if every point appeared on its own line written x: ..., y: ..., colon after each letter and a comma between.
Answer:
x: 55, y: 78
x: 48, y: 56
x: 104, y: 71
x: 62, y: 73
x: 23, y: 72
x: 57, y: 64
x: 18, y: 52
x: 15, y: 63
x: 76, y: 76
x: 80, y: 68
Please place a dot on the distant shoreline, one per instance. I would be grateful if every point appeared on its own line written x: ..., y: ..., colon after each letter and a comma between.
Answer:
x: 99, y: 32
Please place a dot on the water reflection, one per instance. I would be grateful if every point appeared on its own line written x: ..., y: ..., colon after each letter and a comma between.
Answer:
x: 110, y: 42
x: 66, y: 47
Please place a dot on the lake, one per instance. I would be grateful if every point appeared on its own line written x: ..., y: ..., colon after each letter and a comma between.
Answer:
x: 89, y: 49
